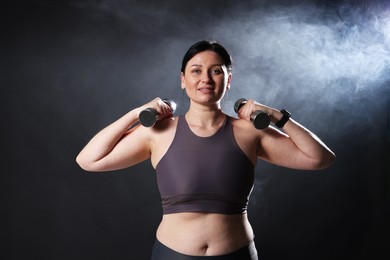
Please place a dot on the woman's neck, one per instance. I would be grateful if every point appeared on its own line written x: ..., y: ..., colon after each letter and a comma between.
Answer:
x: 205, y: 116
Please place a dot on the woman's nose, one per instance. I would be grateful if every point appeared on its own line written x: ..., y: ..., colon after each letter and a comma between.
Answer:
x: 206, y: 77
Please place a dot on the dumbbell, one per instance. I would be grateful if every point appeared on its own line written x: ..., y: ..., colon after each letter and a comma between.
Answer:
x: 259, y: 118
x: 149, y: 116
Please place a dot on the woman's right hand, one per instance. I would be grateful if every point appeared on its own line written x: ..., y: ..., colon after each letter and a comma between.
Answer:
x: 162, y: 108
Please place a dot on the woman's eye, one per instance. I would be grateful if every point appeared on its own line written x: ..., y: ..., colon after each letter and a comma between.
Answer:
x: 216, y: 71
x: 196, y: 71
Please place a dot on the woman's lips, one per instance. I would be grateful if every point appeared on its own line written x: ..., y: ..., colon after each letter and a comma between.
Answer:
x: 206, y: 90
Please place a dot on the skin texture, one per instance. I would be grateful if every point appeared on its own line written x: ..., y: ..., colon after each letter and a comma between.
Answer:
x: 205, y: 80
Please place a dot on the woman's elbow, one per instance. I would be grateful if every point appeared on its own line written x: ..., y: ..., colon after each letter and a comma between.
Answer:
x: 325, y: 161
x: 85, y: 164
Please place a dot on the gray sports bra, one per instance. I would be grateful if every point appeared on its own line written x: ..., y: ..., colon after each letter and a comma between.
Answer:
x: 204, y: 174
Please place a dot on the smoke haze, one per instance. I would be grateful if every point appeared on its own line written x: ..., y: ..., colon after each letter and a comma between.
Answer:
x: 72, y: 67
x: 309, y: 53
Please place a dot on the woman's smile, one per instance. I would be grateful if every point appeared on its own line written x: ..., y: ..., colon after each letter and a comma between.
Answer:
x: 206, y: 89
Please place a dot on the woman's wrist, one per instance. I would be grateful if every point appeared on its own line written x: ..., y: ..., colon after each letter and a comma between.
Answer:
x: 275, y: 115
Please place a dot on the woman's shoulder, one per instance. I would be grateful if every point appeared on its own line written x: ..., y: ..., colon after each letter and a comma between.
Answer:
x: 242, y: 124
x: 166, y: 124
x: 245, y: 128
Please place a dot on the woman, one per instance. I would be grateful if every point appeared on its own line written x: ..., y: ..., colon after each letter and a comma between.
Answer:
x: 205, y: 159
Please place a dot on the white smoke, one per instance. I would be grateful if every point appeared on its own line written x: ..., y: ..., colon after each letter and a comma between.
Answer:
x: 309, y: 53
x: 284, y: 55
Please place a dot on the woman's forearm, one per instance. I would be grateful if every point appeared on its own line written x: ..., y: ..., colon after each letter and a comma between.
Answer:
x: 105, y: 140
x: 309, y: 144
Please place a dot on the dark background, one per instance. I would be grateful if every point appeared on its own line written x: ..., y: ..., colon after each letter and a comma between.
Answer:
x: 69, y: 68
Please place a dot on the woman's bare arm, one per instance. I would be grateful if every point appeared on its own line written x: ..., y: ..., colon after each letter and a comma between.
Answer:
x: 116, y: 147
x: 296, y: 147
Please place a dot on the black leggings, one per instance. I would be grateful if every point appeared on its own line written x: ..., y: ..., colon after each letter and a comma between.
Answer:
x: 162, y: 252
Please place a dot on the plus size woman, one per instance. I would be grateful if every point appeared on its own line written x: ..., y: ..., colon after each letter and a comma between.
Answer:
x: 205, y: 160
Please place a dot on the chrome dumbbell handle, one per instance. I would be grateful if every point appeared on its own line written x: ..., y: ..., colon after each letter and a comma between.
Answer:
x: 260, y: 119
x: 149, y: 116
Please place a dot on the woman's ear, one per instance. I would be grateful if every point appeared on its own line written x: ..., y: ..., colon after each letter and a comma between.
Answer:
x: 229, y: 80
x: 183, y: 83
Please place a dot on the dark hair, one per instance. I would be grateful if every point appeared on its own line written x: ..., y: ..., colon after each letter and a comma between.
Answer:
x: 207, y: 46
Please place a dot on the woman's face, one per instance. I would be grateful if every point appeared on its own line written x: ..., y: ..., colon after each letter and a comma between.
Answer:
x: 205, y: 78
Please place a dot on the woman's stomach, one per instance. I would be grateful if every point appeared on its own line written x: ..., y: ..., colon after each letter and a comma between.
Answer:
x: 204, y: 234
